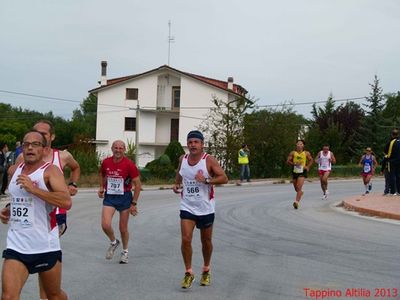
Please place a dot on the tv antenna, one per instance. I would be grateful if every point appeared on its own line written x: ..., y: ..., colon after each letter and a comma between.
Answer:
x: 171, y: 39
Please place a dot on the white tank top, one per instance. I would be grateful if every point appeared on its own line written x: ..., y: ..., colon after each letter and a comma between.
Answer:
x: 196, y: 197
x: 57, y: 159
x: 324, y: 161
x: 57, y: 162
x: 33, y: 228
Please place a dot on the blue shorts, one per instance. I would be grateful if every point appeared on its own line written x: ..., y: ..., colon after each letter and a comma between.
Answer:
x: 35, y: 263
x: 119, y: 202
x: 202, y: 222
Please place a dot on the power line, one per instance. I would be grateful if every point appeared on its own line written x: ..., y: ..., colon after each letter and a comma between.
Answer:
x: 312, y: 102
x: 293, y: 103
x: 58, y: 99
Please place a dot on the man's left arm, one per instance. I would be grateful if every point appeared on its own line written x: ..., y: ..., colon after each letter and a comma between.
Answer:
x: 70, y: 162
x: 57, y: 195
x: 310, y: 160
x: 219, y: 176
x: 333, y: 158
x: 137, y: 186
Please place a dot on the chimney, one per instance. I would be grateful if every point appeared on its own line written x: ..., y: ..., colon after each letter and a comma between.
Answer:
x: 230, y: 83
x: 103, y: 78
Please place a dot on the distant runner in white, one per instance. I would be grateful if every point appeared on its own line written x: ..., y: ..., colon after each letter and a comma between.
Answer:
x: 325, y: 159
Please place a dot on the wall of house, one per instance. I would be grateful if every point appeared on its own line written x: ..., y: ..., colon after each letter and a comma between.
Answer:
x: 163, y: 132
x: 164, y: 89
x: 111, y: 117
x: 154, y: 128
x: 147, y: 154
x: 195, y: 94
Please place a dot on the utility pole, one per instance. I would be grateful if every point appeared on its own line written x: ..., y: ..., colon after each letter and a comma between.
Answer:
x: 137, y: 133
x: 171, y: 39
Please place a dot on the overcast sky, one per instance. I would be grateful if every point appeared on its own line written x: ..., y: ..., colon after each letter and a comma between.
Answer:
x: 286, y: 50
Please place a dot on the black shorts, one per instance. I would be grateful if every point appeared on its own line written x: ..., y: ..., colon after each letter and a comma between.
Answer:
x: 202, y: 222
x: 297, y: 175
x: 35, y: 263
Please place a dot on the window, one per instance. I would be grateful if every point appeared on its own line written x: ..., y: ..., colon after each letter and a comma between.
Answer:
x: 174, y: 130
x: 176, y: 97
x: 132, y: 94
x: 130, y: 124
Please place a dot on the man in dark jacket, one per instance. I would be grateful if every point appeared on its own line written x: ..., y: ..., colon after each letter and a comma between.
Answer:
x: 392, y: 150
x: 3, y: 171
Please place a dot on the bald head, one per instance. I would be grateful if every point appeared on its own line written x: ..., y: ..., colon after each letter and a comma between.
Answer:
x: 118, y: 143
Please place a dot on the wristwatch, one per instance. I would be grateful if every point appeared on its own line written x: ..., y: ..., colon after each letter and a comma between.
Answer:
x: 207, y: 181
x: 73, y: 184
x: 134, y: 203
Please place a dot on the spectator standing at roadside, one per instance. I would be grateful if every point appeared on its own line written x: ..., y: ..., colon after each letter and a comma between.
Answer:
x: 7, y: 164
x: 393, y: 161
x: 385, y: 173
x: 243, y: 160
x: 18, y: 149
x: 3, y: 163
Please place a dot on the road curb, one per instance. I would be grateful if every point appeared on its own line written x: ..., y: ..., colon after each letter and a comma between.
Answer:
x: 374, y: 205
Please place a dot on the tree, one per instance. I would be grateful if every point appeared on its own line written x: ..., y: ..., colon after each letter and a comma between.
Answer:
x: 391, y: 111
x: 84, y: 119
x: 336, y: 127
x: 374, y: 128
x: 271, y: 135
x: 224, y: 127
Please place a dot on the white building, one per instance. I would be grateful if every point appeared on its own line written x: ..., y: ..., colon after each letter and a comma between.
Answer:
x: 161, y: 105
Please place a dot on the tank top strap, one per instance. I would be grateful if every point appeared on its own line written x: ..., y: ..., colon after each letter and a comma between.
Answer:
x: 57, y: 159
x: 45, y: 165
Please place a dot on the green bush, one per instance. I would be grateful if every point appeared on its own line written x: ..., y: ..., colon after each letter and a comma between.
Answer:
x: 145, y: 174
x: 174, y: 150
x: 161, y: 168
x: 89, y: 162
x: 165, y: 160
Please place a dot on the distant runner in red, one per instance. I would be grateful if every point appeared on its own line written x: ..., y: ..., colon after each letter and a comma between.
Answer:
x: 117, y: 174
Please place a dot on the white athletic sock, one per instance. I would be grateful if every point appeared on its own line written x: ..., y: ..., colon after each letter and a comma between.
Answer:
x: 113, y: 243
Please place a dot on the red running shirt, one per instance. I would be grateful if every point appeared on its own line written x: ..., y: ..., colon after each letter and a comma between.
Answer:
x: 123, y: 169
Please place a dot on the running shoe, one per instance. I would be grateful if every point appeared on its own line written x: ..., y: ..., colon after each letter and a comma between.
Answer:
x: 366, y: 192
x: 124, y: 258
x: 295, y: 205
x: 324, y: 197
x: 205, y: 279
x: 111, y: 250
x: 187, y: 281
x: 370, y: 187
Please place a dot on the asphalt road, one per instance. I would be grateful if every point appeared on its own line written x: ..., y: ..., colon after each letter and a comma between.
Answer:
x: 263, y: 249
